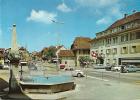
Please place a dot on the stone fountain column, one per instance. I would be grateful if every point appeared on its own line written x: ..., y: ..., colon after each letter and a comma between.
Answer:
x: 14, y: 58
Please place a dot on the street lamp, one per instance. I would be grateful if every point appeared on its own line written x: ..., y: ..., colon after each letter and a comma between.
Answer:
x: 57, y: 22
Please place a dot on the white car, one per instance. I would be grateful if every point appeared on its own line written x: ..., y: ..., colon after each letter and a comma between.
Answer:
x: 78, y: 73
x: 116, y: 68
x: 6, y: 66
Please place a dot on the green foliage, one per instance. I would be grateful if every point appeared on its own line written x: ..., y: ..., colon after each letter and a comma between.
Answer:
x: 50, y: 53
x: 14, y: 56
x: 84, y: 60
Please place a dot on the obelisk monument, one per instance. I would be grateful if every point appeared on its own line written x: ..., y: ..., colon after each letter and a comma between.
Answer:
x: 14, y: 39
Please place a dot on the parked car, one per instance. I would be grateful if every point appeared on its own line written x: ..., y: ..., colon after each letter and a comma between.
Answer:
x: 5, y: 66
x: 131, y: 68
x: 32, y: 67
x: 108, y: 67
x: 62, y: 66
x: 116, y: 68
x: 99, y: 66
x: 77, y: 73
x: 69, y: 68
x: 1, y: 66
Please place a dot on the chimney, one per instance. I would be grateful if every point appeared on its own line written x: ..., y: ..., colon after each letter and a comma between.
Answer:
x: 125, y: 15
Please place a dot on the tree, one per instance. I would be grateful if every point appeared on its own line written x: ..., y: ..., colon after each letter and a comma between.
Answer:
x: 50, y: 53
x: 85, y: 60
x: 14, y: 57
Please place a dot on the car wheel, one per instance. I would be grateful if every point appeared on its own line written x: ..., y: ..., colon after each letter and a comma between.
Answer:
x: 79, y: 75
x: 116, y: 70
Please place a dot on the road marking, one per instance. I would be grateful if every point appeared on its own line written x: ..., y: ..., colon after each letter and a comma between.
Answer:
x: 98, y: 78
x: 137, y: 82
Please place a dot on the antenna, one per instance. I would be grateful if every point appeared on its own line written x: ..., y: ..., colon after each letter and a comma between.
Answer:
x: 134, y: 11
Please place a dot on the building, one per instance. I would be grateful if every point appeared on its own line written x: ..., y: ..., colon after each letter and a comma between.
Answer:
x: 80, y: 47
x: 58, y: 49
x: 2, y: 50
x: 36, y: 55
x: 54, y: 49
x: 67, y: 57
x: 119, y: 43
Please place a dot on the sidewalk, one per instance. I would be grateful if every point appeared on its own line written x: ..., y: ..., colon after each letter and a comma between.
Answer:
x: 31, y: 96
x: 4, y: 81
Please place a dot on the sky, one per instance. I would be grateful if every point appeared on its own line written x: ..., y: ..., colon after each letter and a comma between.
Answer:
x: 42, y: 23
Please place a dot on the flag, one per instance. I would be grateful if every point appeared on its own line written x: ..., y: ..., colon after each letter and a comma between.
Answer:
x: 93, y: 54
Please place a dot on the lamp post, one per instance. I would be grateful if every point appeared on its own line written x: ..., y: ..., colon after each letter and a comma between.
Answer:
x: 59, y: 23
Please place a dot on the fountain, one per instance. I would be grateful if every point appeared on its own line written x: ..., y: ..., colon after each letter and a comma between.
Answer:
x: 38, y: 82
x: 32, y: 85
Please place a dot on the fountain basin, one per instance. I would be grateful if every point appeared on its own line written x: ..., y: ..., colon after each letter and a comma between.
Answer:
x: 42, y: 84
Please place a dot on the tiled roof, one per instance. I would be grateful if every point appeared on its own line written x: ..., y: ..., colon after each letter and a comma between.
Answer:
x: 2, y: 49
x: 125, y: 20
x: 66, y: 53
x: 81, y: 43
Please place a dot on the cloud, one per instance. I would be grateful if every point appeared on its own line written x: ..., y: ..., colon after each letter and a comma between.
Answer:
x: 104, y: 20
x: 105, y: 10
x: 42, y: 16
x: 115, y: 11
x: 96, y: 3
x: 64, y: 8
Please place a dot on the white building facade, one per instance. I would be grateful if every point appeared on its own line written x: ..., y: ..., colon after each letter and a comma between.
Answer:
x: 120, y: 43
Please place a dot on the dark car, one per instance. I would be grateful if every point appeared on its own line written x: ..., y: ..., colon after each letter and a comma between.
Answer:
x: 1, y: 66
x: 108, y: 67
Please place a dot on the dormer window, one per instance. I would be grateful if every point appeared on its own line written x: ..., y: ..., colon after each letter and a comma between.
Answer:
x: 122, y: 27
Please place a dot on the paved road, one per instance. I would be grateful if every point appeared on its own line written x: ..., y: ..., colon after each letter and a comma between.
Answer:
x: 115, y: 76
x: 106, y: 86
x: 95, y: 89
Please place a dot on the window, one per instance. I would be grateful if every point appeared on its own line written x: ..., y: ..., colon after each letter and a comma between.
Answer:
x: 122, y: 27
x: 132, y: 36
x: 138, y: 35
x: 115, y: 40
x: 124, y: 50
x: 133, y: 49
x: 114, y: 61
x: 96, y: 51
x: 108, y: 41
x: 101, y: 51
x: 108, y: 61
x: 108, y: 51
x: 114, y: 50
x: 124, y: 38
